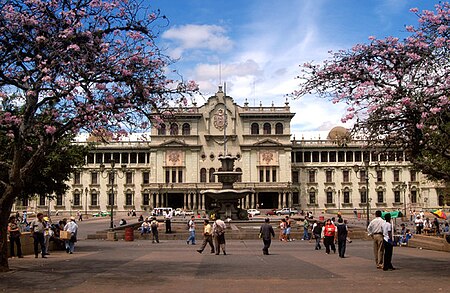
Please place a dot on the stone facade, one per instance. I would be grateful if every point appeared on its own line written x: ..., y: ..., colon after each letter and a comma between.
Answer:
x: 172, y: 164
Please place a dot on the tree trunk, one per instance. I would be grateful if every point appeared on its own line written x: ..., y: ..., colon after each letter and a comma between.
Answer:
x: 6, y: 202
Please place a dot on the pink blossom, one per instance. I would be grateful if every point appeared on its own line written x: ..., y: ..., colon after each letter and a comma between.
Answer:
x: 74, y: 47
x: 406, y: 101
x: 442, y: 28
x: 419, y: 125
x: 49, y: 129
x: 435, y: 110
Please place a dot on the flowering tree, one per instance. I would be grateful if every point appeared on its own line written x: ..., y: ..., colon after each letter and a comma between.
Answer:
x: 397, y: 90
x: 74, y: 65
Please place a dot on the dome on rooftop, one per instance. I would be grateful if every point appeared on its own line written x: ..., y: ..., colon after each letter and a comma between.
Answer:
x: 339, y: 133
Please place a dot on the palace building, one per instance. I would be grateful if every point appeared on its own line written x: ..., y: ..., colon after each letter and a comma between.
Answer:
x: 171, y: 165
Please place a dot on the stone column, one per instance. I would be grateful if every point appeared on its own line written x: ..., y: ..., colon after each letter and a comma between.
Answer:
x: 189, y: 206
x: 256, y: 199
x: 280, y: 195
x: 203, y: 201
x: 157, y: 200
x: 290, y: 199
x: 184, y: 201
x: 195, y: 203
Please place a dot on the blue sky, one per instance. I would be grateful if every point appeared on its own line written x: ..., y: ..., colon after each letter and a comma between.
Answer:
x: 255, y: 46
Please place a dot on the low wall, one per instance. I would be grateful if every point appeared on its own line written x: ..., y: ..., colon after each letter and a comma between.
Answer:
x: 27, y: 244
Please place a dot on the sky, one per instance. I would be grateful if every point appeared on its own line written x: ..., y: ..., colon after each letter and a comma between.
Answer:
x: 256, y: 46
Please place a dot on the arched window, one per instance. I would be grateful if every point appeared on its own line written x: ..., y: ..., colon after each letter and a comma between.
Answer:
x: 173, y: 129
x: 255, y: 128
x: 239, y: 179
x: 267, y: 128
x: 162, y: 129
x: 186, y: 129
x: 202, y: 175
x: 212, y: 178
x: 279, y: 128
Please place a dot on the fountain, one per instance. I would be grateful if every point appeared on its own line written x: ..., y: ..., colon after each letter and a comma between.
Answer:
x: 228, y: 198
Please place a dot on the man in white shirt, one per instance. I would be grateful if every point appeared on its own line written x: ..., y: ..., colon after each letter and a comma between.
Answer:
x: 168, y: 222
x: 191, y: 229
x: 219, y: 228
x: 72, y: 227
x: 375, y: 230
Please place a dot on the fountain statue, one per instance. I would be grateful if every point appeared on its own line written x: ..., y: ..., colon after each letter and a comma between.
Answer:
x: 227, y: 198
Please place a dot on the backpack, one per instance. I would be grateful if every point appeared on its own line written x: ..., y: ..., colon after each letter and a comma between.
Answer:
x: 188, y: 226
x: 154, y: 224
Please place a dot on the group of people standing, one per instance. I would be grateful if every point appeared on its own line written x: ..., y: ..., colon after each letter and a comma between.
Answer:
x: 331, y: 233
x: 42, y: 230
x: 150, y: 225
x: 381, y: 232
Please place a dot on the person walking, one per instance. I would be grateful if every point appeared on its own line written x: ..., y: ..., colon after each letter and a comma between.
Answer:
x: 388, y: 243
x: 14, y: 237
x: 37, y: 228
x: 329, y: 236
x: 266, y: 233
x: 375, y: 230
x: 317, y: 233
x: 219, y: 236
x: 72, y: 228
x: 342, y: 233
x: 154, y: 227
x: 191, y: 228
x: 207, y: 237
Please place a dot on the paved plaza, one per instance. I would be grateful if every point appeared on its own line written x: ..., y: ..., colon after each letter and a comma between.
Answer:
x: 173, y: 266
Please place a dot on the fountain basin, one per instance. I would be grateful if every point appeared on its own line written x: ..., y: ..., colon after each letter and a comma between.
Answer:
x: 226, y: 194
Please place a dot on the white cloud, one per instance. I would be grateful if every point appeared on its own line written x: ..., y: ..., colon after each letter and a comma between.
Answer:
x: 192, y: 36
x: 264, y: 62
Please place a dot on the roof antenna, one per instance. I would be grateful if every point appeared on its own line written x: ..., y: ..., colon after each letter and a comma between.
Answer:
x: 220, y: 72
x: 225, y: 118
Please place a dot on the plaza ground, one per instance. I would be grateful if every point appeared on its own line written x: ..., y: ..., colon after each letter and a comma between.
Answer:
x: 173, y: 266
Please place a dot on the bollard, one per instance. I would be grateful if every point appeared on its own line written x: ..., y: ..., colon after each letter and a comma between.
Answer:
x: 111, y: 236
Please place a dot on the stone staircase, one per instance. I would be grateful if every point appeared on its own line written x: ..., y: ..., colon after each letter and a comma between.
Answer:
x: 429, y: 242
x: 235, y: 231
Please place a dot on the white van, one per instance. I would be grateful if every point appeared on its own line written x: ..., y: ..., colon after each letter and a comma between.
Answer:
x: 161, y: 211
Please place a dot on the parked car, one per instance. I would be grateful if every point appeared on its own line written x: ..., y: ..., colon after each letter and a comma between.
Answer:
x: 101, y: 214
x: 161, y: 211
x: 286, y: 211
x: 181, y: 212
x: 178, y: 212
x: 253, y: 212
x: 271, y: 212
x: 189, y: 213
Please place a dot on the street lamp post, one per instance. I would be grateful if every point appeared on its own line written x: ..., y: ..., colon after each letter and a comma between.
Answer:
x: 86, y: 191
x: 339, y: 200
x: 111, y: 174
x: 403, y: 187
